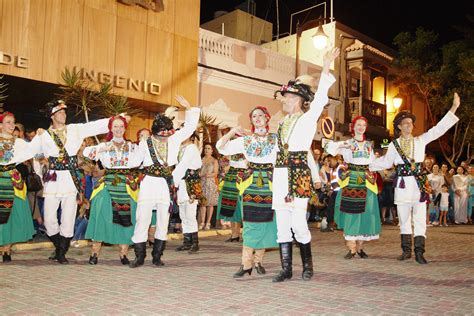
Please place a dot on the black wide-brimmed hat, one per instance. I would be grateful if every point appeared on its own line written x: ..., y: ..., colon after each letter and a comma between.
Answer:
x: 400, y: 117
x: 298, y: 88
x: 162, y: 126
x: 55, y: 106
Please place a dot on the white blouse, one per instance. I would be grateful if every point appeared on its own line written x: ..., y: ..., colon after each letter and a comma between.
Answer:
x: 123, y: 156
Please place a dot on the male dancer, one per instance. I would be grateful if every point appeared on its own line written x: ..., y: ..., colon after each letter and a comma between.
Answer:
x: 407, y: 153
x: 292, y: 183
x: 62, y: 187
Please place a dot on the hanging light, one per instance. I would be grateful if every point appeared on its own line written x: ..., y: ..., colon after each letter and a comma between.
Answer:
x: 397, y: 101
x: 320, y: 39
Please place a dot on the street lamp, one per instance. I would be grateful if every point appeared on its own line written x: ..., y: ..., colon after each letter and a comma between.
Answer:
x: 397, y: 101
x: 320, y: 39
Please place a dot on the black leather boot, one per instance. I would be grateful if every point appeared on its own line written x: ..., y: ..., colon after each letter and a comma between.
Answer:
x: 64, y: 243
x: 6, y: 257
x: 140, y: 254
x: 406, y: 247
x: 420, y: 249
x: 194, y: 243
x: 93, y: 259
x: 286, y: 258
x: 158, y: 248
x: 307, y: 260
x: 55, y: 241
x: 187, y: 240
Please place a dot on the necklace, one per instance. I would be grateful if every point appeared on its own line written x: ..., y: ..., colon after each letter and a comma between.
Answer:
x: 61, y: 132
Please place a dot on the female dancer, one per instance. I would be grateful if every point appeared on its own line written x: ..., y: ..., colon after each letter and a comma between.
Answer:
x: 16, y: 224
x: 187, y: 180
x: 255, y: 187
x: 210, y: 190
x: 229, y: 207
x: 356, y: 207
x: 114, y: 199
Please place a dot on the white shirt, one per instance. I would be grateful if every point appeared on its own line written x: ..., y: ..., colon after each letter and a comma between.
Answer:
x: 112, y: 159
x: 444, y: 202
x: 189, y: 158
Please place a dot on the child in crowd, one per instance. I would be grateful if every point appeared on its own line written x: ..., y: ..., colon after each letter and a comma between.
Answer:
x: 443, y: 205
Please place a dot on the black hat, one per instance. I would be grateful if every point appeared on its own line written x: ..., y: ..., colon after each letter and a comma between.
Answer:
x: 400, y: 117
x: 162, y: 126
x: 55, y: 106
x: 298, y: 88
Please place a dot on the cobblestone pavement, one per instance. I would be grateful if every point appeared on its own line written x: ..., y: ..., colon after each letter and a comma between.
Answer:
x: 202, y: 283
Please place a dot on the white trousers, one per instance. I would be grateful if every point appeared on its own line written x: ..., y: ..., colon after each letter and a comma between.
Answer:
x: 187, y: 213
x: 68, y: 215
x: 143, y: 220
x: 292, y: 219
x: 415, y: 211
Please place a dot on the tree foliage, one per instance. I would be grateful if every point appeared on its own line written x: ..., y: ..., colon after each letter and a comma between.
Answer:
x: 433, y: 74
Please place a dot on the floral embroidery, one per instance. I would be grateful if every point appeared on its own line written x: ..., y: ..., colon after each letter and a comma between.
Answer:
x: 287, y: 126
x: 118, y: 156
x: 360, y: 150
x: 256, y: 146
x: 6, y: 150
x: 92, y: 154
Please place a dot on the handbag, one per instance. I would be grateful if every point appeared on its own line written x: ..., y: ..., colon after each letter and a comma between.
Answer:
x: 33, y: 182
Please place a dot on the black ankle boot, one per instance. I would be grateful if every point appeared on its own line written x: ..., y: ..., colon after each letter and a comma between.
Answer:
x: 286, y: 258
x: 362, y: 254
x: 124, y: 260
x: 242, y: 272
x: 158, y: 248
x: 232, y: 239
x: 64, y: 243
x: 260, y: 269
x: 420, y: 249
x: 194, y: 243
x: 349, y: 255
x: 6, y: 257
x: 55, y: 241
x: 406, y: 247
x: 93, y: 259
x: 140, y: 254
x: 187, y: 240
x: 307, y: 260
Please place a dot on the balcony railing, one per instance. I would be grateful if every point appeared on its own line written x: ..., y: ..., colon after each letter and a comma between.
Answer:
x: 376, y: 113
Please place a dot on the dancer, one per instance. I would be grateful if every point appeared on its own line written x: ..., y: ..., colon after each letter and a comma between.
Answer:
x: 60, y: 143
x: 356, y: 206
x: 114, y: 199
x: 255, y: 187
x: 292, y: 186
x: 16, y: 223
x: 411, y: 193
x: 229, y: 206
x: 187, y: 180
x: 158, y: 153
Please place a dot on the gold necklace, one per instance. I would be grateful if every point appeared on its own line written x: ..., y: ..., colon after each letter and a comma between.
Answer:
x: 162, y: 146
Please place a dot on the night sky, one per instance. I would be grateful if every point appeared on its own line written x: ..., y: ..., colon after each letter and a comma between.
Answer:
x: 379, y: 19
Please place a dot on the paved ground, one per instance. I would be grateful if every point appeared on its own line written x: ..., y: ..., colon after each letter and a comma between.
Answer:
x: 203, y: 283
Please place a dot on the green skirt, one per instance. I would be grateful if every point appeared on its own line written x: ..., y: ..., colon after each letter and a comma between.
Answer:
x: 101, y: 226
x: 259, y: 219
x: 229, y: 205
x: 19, y: 227
x: 360, y: 226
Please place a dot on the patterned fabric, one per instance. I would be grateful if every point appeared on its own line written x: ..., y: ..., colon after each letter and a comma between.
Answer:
x: 414, y: 169
x: 256, y: 146
x: 118, y: 157
x: 229, y: 193
x: 257, y: 197
x: 353, y: 196
x: 63, y: 162
x: 120, y: 199
x: 193, y: 184
x: 237, y: 157
x: 360, y: 151
x: 299, y: 175
x: 6, y: 149
x: 10, y: 179
x: 209, y: 186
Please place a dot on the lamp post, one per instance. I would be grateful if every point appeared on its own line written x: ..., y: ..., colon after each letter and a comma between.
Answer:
x: 320, y: 39
x: 397, y: 101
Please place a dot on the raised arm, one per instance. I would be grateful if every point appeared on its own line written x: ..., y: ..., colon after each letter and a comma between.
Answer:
x: 228, y: 148
x: 448, y: 121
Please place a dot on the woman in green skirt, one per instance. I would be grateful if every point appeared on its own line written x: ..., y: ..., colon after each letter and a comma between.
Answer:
x: 16, y: 223
x: 356, y: 207
x: 113, y: 201
x: 255, y: 187
x: 229, y: 205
